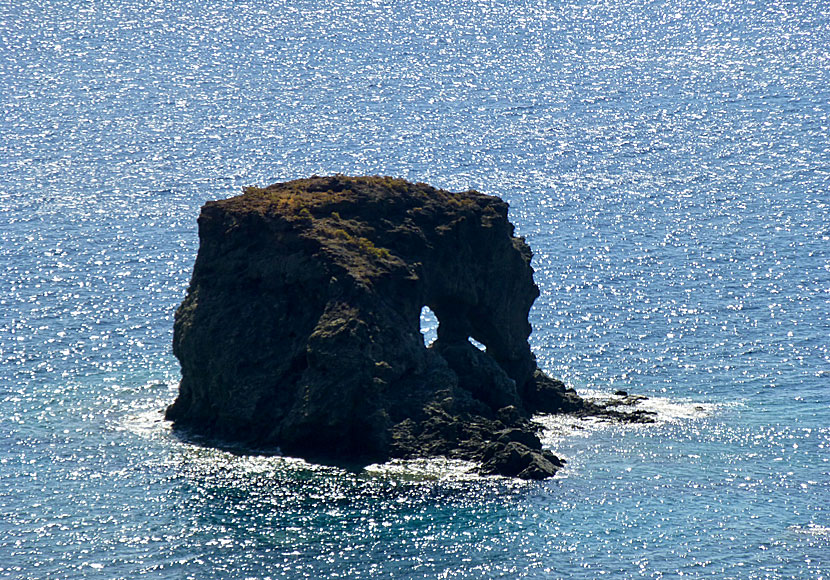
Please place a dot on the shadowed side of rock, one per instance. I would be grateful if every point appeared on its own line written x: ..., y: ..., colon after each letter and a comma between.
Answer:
x: 300, y: 328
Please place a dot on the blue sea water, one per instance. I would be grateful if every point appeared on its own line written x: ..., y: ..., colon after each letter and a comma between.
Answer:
x: 668, y: 161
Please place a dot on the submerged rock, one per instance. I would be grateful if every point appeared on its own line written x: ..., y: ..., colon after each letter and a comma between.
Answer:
x: 300, y: 328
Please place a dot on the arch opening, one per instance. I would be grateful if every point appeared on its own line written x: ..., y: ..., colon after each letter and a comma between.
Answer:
x: 429, y: 325
x: 477, y: 344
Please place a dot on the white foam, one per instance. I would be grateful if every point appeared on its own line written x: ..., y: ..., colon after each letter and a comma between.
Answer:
x: 559, y: 428
x: 436, y: 468
x: 667, y: 410
x: 151, y: 424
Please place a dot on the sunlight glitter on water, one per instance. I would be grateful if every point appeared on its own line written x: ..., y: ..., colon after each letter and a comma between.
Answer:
x: 667, y: 162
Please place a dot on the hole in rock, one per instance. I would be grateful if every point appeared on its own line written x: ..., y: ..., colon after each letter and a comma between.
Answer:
x: 429, y: 325
x: 477, y: 344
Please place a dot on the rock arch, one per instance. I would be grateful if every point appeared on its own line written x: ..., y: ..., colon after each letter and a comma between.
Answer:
x: 301, y: 326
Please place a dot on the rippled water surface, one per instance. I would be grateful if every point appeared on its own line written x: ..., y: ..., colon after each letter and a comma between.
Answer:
x: 668, y: 161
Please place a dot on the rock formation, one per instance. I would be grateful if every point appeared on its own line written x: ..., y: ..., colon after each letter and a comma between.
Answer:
x: 300, y: 328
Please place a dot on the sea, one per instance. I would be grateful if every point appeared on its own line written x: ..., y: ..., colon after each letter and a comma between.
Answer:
x: 667, y: 160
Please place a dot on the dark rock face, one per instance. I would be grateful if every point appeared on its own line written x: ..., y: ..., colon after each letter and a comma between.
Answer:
x: 301, y: 329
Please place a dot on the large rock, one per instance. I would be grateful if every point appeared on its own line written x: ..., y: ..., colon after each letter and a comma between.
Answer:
x: 301, y: 329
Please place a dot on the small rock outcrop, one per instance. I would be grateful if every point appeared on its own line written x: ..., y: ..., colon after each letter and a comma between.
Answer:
x: 300, y: 328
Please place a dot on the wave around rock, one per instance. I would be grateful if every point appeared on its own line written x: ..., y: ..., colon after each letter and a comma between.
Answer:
x: 300, y: 328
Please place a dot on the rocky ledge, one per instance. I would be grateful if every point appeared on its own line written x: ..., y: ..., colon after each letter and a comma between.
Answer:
x: 300, y: 329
